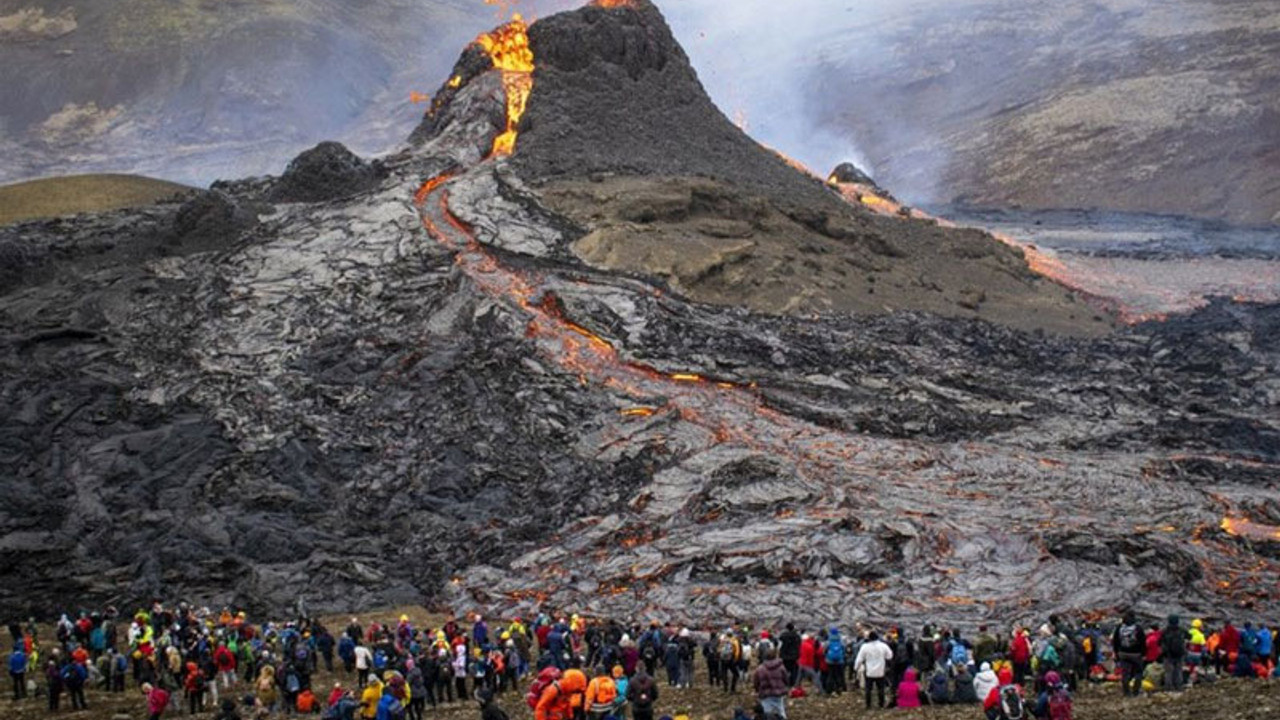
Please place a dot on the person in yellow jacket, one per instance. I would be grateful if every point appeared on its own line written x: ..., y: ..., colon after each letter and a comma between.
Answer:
x: 370, y: 698
x: 602, y: 695
x: 265, y: 687
x: 1195, y: 647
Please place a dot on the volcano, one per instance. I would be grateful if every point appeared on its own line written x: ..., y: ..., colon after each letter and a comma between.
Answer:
x: 584, y: 343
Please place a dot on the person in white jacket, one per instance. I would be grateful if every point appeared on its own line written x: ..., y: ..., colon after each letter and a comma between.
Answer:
x: 873, y: 661
x: 984, y: 682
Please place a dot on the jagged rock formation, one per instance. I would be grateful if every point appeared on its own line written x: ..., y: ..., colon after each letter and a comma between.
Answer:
x: 373, y: 400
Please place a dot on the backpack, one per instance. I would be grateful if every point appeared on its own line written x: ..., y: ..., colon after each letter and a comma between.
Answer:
x: 71, y: 676
x: 1011, y: 706
x: 649, y: 653
x: 644, y: 694
x: 1049, y: 656
x: 959, y: 654
x: 606, y: 692
x: 306, y: 701
x: 1129, y: 639
x: 396, y: 710
x: 726, y: 651
x: 1059, y: 704
x: 122, y: 664
x: 291, y: 682
x: 548, y: 676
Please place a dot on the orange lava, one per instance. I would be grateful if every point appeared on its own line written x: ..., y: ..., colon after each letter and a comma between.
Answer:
x: 614, y: 3
x: 508, y: 48
x: 418, y: 98
x: 1243, y: 527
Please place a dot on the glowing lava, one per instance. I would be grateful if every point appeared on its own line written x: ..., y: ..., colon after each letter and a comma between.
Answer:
x: 1243, y: 527
x: 508, y: 48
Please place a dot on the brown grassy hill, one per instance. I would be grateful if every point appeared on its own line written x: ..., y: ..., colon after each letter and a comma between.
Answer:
x: 53, y: 197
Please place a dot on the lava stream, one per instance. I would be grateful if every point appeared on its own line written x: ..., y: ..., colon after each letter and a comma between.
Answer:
x: 731, y: 414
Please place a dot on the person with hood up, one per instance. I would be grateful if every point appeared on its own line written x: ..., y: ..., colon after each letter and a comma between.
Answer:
x: 789, y: 651
x: 157, y: 700
x: 1263, y: 643
x: 1173, y: 647
x: 620, y: 682
x: 370, y: 698
x: 1020, y: 655
x: 835, y: 656
x: 557, y: 701
x: 1054, y: 700
x: 908, y: 691
x: 873, y: 662
x: 771, y: 686
x: 984, y: 682
x: 265, y: 686
x: 1005, y: 701
x: 1196, y: 648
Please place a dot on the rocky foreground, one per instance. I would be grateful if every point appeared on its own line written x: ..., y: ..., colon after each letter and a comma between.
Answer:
x: 321, y: 385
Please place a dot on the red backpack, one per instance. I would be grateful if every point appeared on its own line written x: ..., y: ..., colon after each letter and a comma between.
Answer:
x: 547, y: 677
x: 1059, y: 704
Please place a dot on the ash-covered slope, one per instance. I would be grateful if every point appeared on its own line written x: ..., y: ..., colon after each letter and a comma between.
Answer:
x: 410, y: 388
x: 620, y: 137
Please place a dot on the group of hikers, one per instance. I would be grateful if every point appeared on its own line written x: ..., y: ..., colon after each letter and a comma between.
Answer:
x: 188, y: 659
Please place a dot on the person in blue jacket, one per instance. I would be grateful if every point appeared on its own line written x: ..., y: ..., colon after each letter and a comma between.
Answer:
x: 835, y: 662
x: 18, y: 671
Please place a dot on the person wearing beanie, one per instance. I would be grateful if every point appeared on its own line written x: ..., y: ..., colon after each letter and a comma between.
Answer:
x: 1173, y: 646
x: 984, y: 682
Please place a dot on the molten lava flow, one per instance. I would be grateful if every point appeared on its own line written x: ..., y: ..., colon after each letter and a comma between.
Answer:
x: 614, y: 3
x: 1243, y: 527
x: 508, y: 48
x: 418, y: 98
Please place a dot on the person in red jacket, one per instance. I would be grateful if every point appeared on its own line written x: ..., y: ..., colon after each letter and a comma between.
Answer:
x: 1020, y: 655
x: 1153, y: 644
x: 1228, y: 648
x: 194, y: 685
x: 225, y: 661
x: 809, y: 663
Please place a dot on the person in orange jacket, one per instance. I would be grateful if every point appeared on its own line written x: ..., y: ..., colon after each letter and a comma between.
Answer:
x: 557, y: 701
x: 602, y: 693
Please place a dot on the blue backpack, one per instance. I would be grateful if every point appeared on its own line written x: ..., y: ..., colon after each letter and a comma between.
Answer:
x: 959, y: 654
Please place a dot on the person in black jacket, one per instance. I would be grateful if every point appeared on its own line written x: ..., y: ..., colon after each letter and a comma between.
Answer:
x: 642, y: 693
x: 489, y: 709
x: 1173, y: 646
x: 1130, y: 643
x: 789, y: 652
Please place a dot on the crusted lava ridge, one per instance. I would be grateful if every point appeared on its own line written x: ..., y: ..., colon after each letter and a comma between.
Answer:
x: 377, y: 398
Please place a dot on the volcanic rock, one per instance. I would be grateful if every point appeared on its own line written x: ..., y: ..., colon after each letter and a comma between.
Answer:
x: 381, y: 399
x: 327, y: 171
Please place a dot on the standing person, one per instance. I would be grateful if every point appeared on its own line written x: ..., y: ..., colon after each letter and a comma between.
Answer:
x: 711, y: 653
x: 1173, y: 646
x: 808, y: 663
x: 414, y: 678
x: 771, y: 686
x: 873, y: 661
x: 730, y: 659
x: 363, y: 657
x: 835, y: 662
x: 671, y: 661
x: 688, y: 649
x: 74, y: 677
x: 225, y: 661
x: 642, y: 693
x: 324, y: 643
x: 1129, y: 642
x: 602, y: 695
x: 18, y: 670
x: 194, y: 685
x: 789, y: 653
x: 1020, y: 655
x: 53, y: 677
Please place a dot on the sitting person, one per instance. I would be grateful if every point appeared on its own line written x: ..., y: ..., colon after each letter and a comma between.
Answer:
x: 1054, y: 703
x: 965, y: 692
x: 909, y: 690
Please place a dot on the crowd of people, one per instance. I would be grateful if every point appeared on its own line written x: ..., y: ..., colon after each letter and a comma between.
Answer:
x: 187, y: 659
